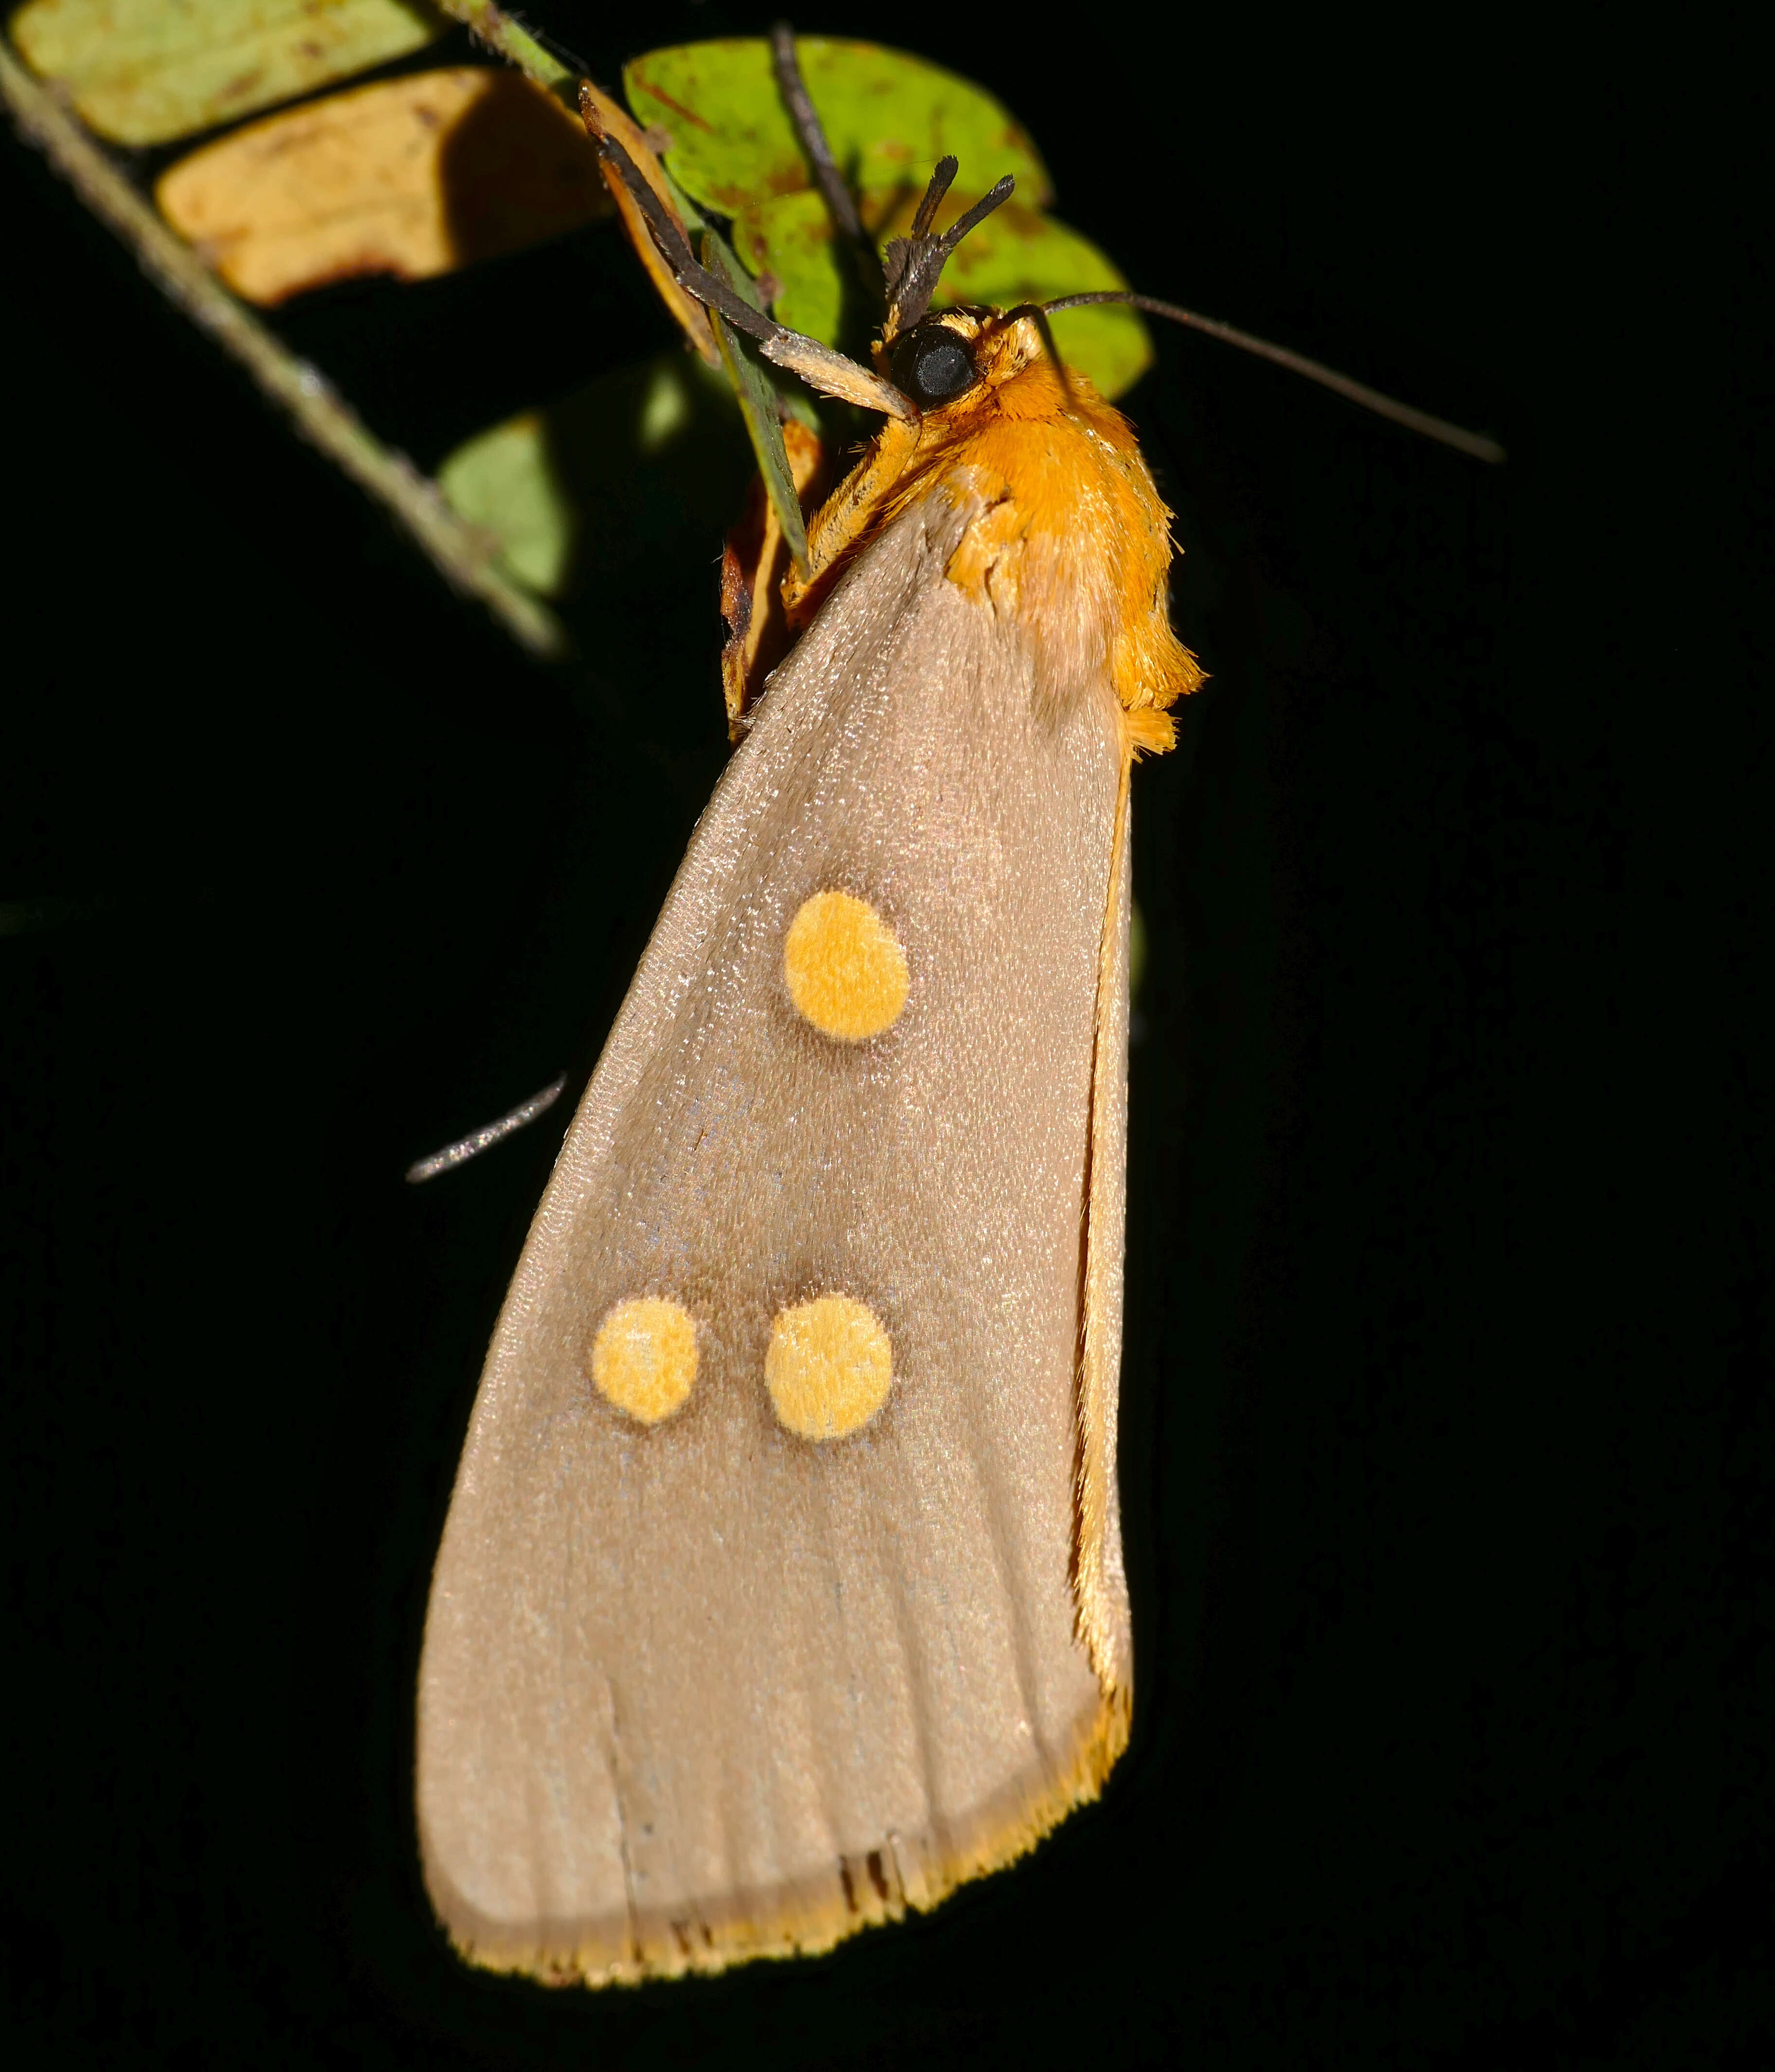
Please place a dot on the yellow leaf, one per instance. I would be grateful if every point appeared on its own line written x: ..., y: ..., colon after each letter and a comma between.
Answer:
x: 412, y: 177
x: 143, y: 72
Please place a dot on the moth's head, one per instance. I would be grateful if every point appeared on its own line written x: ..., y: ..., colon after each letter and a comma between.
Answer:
x: 939, y: 359
x: 954, y: 358
x: 936, y: 358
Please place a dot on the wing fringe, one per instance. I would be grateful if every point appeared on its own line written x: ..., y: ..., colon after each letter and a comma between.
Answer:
x: 1100, y: 1597
x: 905, y: 1874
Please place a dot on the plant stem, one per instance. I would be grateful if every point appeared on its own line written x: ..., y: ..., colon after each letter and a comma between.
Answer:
x: 463, y: 554
x: 511, y: 40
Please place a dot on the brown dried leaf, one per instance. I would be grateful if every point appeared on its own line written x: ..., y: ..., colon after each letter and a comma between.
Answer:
x: 412, y: 177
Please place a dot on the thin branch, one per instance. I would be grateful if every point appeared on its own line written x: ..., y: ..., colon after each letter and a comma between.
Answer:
x: 463, y: 554
x: 499, y: 31
x: 1476, y: 443
x: 840, y: 205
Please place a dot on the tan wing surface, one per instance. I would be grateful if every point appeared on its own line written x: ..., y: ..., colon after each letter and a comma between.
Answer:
x: 702, y: 1688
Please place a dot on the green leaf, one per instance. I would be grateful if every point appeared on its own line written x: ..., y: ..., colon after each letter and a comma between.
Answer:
x: 638, y: 466
x: 791, y: 237
x: 505, y: 481
x: 1108, y: 346
x: 1137, y: 952
x: 143, y: 72
x: 890, y: 118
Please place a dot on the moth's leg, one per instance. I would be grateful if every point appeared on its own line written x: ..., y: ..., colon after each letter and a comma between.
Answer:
x: 822, y: 369
x: 484, y: 1138
x: 845, y: 515
x: 604, y: 118
x: 754, y: 560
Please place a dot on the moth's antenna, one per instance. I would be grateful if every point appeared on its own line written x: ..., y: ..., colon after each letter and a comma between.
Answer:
x: 916, y: 263
x: 840, y: 201
x: 1475, y: 443
x: 946, y: 169
x: 1037, y: 315
x: 478, y: 1140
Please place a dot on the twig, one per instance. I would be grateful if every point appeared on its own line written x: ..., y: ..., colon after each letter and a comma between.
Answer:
x: 500, y: 32
x: 463, y: 554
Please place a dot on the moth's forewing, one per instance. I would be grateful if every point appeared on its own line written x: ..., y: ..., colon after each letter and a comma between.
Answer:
x: 703, y: 1689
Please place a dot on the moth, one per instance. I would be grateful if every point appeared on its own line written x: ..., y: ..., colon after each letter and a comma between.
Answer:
x: 782, y: 1588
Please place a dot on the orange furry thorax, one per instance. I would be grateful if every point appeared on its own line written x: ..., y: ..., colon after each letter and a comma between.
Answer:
x: 1070, y: 540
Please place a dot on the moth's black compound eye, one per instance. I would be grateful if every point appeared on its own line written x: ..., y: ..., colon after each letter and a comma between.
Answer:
x: 931, y: 363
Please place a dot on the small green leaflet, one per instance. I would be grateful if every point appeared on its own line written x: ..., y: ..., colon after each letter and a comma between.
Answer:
x: 647, y: 461
x: 143, y: 72
x: 889, y: 118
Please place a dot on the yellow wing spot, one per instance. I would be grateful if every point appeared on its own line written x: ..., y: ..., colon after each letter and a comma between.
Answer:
x: 829, y: 1366
x: 844, y: 967
x: 644, y: 1358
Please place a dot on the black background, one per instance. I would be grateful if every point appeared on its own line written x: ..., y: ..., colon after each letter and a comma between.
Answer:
x: 1447, y: 1440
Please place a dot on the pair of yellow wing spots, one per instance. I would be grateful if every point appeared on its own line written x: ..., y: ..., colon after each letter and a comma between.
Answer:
x: 828, y: 1365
